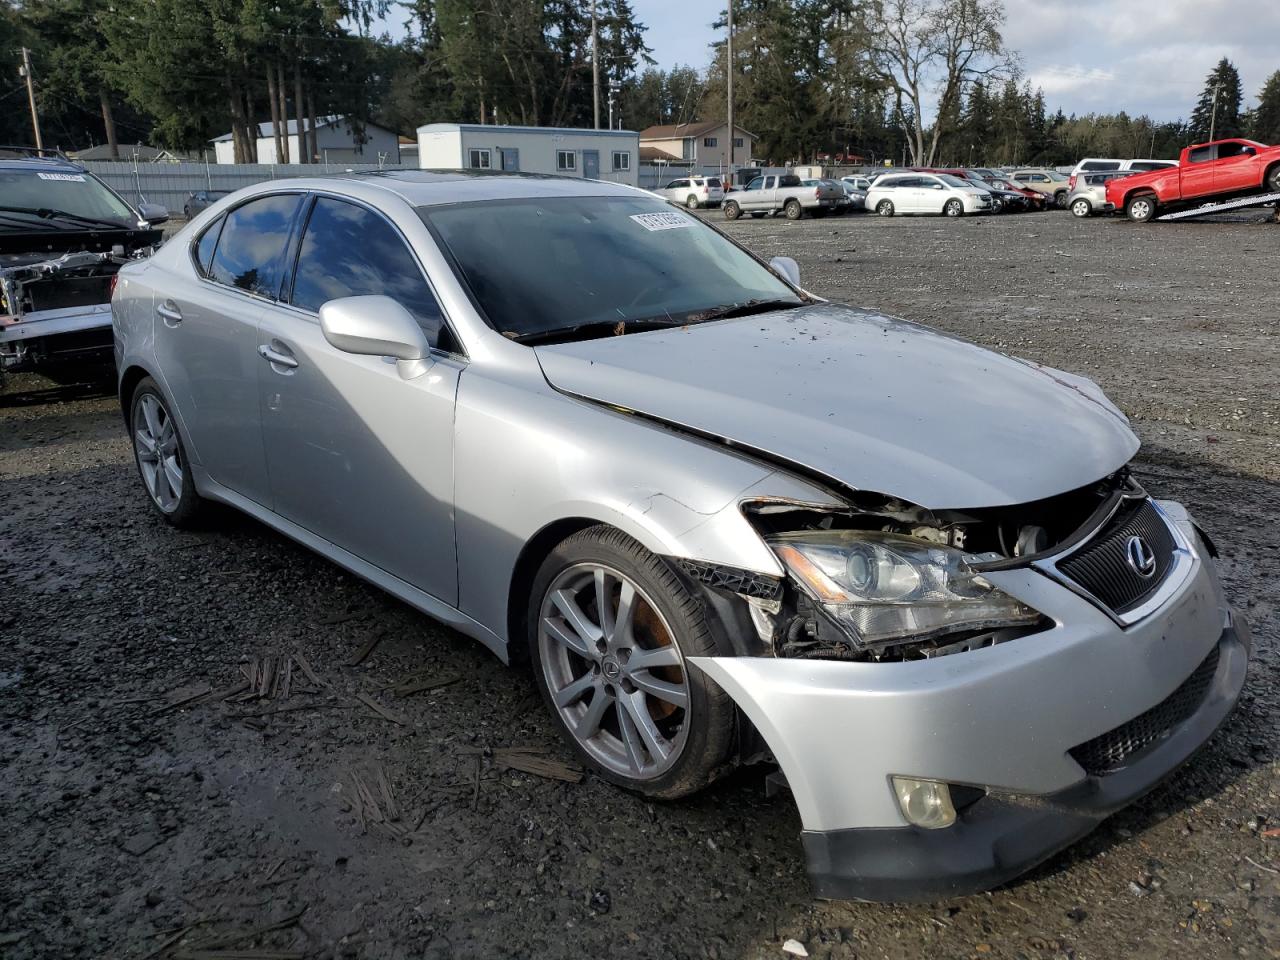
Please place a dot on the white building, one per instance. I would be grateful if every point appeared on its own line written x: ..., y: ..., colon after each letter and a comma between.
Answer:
x: 336, y: 142
x: 567, y: 151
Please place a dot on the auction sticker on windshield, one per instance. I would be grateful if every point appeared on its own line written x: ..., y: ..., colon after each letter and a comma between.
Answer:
x: 662, y: 221
x: 73, y: 177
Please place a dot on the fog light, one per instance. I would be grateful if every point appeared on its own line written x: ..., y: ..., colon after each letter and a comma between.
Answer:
x: 925, y: 803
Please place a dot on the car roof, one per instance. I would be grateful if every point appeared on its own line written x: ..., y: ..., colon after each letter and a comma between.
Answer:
x: 433, y: 187
x: 40, y: 164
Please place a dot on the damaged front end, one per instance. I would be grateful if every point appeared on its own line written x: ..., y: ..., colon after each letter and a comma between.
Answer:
x: 886, y: 580
x: 56, y: 310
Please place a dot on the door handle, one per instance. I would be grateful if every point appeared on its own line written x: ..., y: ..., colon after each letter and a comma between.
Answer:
x: 169, y: 313
x: 276, y: 357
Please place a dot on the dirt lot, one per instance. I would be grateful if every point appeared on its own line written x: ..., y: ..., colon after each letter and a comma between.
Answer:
x: 139, y: 823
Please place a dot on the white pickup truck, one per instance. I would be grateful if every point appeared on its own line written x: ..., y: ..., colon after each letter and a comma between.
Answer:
x: 784, y: 192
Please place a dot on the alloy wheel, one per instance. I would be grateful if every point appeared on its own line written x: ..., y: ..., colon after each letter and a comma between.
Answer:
x: 155, y: 440
x: 613, y: 670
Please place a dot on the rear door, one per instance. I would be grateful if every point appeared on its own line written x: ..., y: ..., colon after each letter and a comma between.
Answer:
x: 591, y: 164
x: 357, y: 454
x: 1235, y: 169
x: 206, y: 337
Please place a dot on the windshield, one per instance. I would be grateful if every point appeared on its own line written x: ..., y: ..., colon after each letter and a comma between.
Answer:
x: 550, y: 263
x: 78, y: 194
x: 951, y: 181
x: 1054, y: 175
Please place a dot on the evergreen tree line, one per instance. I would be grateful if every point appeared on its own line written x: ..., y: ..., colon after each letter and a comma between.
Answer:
x: 916, y: 81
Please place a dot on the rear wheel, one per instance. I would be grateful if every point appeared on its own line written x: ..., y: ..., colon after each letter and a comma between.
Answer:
x: 1081, y: 207
x: 732, y: 211
x: 161, y: 457
x: 1060, y: 199
x: 885, y: 208
x: 953, y: 208
x: 1141, y: 208
x: 1271, y: 182
x: 691, y: 202
x: 610, y: 629
x: 792, y: 210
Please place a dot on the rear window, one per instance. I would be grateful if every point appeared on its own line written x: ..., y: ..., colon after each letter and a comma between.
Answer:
x: 789, y: 181
x: 713, y: 182
x: 1145, y: 165
x: 1100, y: 165
x: 250, y: 253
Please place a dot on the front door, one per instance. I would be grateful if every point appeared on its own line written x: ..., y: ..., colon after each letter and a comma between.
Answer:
x: 357, y: 454
x: 1197, y: 173
x: 591, y: 164
x: 206, y: 339
x: 510, y: 158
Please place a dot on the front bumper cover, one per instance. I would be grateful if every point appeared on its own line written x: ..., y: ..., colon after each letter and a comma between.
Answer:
x: 1004, y: 718
x: 1002, y: 836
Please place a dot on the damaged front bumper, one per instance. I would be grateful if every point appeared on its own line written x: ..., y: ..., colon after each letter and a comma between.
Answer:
x: 1016, y: 721
x: 56, y: 311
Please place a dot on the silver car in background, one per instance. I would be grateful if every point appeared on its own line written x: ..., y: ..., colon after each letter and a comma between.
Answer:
x: 693, y: 192
x: 726, y: 521
x: 1089, y: 194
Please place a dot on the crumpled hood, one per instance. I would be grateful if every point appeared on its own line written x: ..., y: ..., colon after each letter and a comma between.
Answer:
x: 872, y: 402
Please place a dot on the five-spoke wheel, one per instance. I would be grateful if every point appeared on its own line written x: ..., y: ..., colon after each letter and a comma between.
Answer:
x: 162, y: 462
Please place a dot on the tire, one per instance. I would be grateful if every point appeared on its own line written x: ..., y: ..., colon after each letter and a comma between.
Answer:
x: 793, y: 210
x: 732, y: 211
x: 885, y: 208
x: 1081, y: 207
x: 671, y: 733
x: 161, y: 457
x: 1271, y: 181
x: 1140, y: 208
x: 953, y: 208
x: 691, y: 202
x: 1060, y: 199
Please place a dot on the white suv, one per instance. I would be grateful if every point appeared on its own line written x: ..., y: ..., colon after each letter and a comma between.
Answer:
x: 694, y: 192
x: 926, y: 193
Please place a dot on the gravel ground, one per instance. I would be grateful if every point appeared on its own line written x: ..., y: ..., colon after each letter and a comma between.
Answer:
x: 139, y: 823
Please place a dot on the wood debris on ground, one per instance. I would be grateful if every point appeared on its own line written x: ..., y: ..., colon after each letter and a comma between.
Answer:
x: 418, y: 683
x: 368, y: 793
x: 380, y: 710
x: 530, y: 759
x: 366, y: 648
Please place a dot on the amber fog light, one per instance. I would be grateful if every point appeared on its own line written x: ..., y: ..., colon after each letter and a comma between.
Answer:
x: 925, y: 803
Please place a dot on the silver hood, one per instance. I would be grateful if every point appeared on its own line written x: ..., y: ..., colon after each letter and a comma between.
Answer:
x: 871, y: 402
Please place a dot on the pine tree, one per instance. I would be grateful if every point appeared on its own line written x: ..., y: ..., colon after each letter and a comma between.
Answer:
x: 1266, y: 118
x: 1217, y: 113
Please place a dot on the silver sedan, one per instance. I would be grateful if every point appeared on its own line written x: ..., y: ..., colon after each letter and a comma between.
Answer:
x: 726, y: 521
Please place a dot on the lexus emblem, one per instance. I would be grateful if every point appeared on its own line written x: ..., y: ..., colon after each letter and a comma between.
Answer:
x: 1141, y: 557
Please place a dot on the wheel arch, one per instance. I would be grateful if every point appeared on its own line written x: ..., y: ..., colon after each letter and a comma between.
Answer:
x: 1136, y: 192
x: 1270, y: 169
x: 536, y: 549
x: 129, y: 380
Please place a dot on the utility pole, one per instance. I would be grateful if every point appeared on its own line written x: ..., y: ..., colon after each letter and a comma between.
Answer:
x: 595, y: 66
x: 1213, y: 116
x: 31, y: 96
x: 728, y: 72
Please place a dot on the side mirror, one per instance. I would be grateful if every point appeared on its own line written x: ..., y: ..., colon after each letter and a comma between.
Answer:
x: 788, y: 268
x: 153, y: 213
x: 377, y: 326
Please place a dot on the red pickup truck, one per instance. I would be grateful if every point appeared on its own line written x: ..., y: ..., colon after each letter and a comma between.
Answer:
x: 1222, y: 170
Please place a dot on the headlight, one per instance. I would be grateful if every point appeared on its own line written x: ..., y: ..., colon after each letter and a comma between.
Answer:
x: 883, y: 587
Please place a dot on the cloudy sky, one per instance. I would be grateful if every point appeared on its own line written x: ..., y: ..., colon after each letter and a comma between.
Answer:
x: 1087, y: 55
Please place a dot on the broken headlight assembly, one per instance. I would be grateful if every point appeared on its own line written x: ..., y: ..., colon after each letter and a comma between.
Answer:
x: 885, y: 588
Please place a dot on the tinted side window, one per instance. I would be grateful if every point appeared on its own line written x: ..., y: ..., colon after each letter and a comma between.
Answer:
x: 1101, y: 165
x: 348, y: 251
x: 250, y: 252
x: 205, y: 245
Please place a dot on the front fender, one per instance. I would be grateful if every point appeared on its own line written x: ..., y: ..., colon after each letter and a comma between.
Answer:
x: 527, y: 458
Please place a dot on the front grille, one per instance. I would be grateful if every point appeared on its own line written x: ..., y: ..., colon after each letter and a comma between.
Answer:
x: 1116, y: 749
x: 1102, y: 565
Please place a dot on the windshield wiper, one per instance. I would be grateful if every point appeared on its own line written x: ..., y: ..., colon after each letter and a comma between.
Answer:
x: 743, y: 309
x: 48, y: 213
x: 592, y: 329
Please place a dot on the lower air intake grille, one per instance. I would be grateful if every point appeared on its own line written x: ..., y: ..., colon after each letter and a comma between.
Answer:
x: 1116, y: 749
